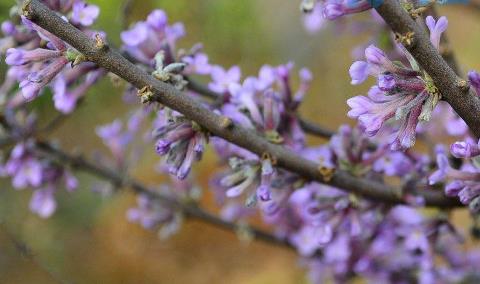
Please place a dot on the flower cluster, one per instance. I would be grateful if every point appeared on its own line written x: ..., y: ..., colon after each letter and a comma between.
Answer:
x: 266, y: 104
x: 152, y: 212
x: 403, y: 93
x: 39, y: 59
x: 180, y: 140
x: 147, y: 38
x: 27, y: 169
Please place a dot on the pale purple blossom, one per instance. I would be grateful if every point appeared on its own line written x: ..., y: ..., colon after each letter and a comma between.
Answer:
x: 222, y: 79
x: 436, y: 29
x: 84, y: 14
x: 43, y: 202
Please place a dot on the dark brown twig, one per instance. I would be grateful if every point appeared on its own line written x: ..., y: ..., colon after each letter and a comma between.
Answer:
x: 121, y: 180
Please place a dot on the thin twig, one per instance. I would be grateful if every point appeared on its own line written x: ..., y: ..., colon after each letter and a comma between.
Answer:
x: 126, y: 10
x: 315, y: 129
x: 121, y: 180
x: 216, y: 124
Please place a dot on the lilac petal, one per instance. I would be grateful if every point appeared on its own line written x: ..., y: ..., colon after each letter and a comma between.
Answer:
x: 43, y: 202
x: 358, y: 72
x: 57, y: 42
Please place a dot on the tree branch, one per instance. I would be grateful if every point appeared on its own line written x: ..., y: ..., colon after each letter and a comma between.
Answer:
x: 121, y: 180
x: 218, y: 125
x: 454, y: 90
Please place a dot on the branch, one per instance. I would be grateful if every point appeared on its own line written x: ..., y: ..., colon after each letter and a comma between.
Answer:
x: 455, y: 90
x: 127, y: 6
x: 121, y: 180
x: 218, y: 125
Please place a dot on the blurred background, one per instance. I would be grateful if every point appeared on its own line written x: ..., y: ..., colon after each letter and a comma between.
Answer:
x: 89, y: 240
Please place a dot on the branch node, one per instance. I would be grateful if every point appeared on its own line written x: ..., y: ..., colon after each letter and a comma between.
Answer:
x: 326, y: 173
x: 462, y: 85
x: 406, y: 39
x: 226, y: 122
x: 26, y: 11
x: 100, y: 43
x: 268, y: 156
x: 145, y: 94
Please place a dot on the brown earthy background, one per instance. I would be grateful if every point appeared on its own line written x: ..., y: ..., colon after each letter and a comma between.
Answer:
x: 88, y: 240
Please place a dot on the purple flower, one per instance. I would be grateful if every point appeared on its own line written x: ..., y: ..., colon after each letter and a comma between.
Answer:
x: 441, y: 173
x: 21, y: 57
x: 474, y: 78
x: 36, y: 81
x: 198, y: 64
x: 372, y: 115
x: 407, y: 133
x: 386, y: 82
x: 463, y: 182
x: 267, y: 173
x: 245, y: 96
x: 174, y: 32
x: 359, y: 72
x: 43, y: 202
x: 309, y: 239
x: 147, y: 38
x: 180, y: 142
x: 84, y: 14
x: 149, y: 214
x: 243, y: 177
x: 136, y: 35
x: 436, y: 29
x: 56, y: 42
x: 465, y: 149
x: 322, y: 155
x: 8, y: 28
x: 305, y: 79
x: 376, y: 56
x: 266, y: 77
x: 271, y: 111
x: 64, y: 101
x: 405, y: 97
x: 28, y: 173
x: 222, y: 79
x: 39, y: 75
x: 314, y: 21
x: 158, y: 19
x: 115, y: 139
x: 453, y: 188
x: 334, y: 9
x: 393, y: 164
x: 24, y: 169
